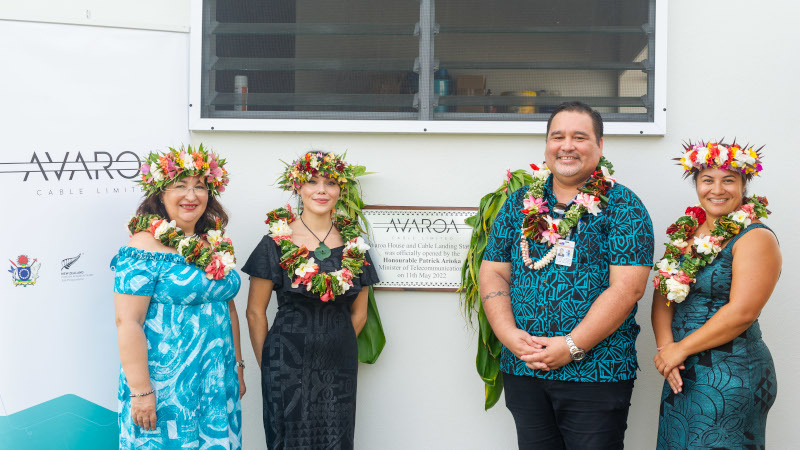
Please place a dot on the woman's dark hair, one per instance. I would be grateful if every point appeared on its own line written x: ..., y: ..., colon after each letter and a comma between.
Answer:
x: 153, y: 205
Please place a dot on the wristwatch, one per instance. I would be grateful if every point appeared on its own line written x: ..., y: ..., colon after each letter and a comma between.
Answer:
x: 577, y: 354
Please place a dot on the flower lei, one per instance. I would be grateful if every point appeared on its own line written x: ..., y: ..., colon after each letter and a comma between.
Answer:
x: 316, y: 163
x: 215, y: 259
x: 538, y: 225
x: 675, y: 275
x: 160, y: 170
x: 719, y: 155
x: 305, y: 271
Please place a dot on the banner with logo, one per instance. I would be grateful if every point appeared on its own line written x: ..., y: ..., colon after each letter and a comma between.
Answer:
x: 81, y: 106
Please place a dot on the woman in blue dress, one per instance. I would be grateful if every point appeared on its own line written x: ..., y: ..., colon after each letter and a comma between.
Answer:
x: 181, y: 375
x: 719, y: 270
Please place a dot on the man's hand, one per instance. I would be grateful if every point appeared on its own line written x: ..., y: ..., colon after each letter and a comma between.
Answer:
x: 519, y: 342
x: 553, y: 353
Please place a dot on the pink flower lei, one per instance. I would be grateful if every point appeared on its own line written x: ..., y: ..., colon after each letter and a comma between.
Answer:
x: 538, y: 225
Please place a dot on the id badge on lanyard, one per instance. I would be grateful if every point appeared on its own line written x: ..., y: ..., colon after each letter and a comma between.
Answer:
x: 565, y: 252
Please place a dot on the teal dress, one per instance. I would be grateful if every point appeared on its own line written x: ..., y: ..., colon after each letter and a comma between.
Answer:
x: 190, y: 354
x: 727, y: 390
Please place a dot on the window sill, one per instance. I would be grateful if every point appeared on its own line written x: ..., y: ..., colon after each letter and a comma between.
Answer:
x: 412, y: 126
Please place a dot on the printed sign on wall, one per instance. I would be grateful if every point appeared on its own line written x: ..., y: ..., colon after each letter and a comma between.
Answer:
x: 419, y: 248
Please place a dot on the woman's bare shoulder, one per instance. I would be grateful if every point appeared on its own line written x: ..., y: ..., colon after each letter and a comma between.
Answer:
x: 145, y: 241
x: 757, y: 241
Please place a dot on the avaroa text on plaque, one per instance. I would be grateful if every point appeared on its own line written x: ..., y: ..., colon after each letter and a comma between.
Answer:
x: 417, y: 248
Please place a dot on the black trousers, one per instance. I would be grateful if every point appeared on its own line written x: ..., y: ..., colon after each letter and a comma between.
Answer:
x: 568, y: 415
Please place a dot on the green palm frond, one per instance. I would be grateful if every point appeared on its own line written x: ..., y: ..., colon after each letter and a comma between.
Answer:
x: 487, y: 360
x: 371, y: 340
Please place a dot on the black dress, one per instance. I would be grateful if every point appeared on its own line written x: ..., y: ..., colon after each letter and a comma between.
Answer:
x: 309, y: 364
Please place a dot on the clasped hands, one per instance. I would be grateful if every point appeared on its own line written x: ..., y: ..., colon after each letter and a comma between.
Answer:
x: 669, y: 361
x: 538, y: 352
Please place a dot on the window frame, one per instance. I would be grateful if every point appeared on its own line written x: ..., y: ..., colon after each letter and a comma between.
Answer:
x: 197, y: 123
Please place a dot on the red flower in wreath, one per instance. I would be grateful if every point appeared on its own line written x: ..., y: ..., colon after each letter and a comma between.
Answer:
x: 672, y: 228
x: 697, y: 212
x: 154, y: 225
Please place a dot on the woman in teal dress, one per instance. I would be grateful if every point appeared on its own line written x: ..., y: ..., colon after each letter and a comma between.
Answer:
x: 719, y: 270
x: 181, y: 375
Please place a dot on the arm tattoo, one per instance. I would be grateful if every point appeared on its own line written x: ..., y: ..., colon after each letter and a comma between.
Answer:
x: 495, y: 294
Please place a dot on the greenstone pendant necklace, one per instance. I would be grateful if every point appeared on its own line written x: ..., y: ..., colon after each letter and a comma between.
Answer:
x: 323, y: 251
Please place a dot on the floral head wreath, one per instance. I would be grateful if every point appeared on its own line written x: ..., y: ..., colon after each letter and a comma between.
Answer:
x: 732, y: 157
x: 159, y: 170
x: 316, y: 163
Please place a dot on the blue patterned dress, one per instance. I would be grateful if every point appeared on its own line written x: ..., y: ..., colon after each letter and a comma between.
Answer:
x: 727, y: 390
x: 190, y: 354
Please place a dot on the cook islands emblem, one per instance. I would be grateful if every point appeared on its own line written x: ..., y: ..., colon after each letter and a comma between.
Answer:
x: 24, y: 272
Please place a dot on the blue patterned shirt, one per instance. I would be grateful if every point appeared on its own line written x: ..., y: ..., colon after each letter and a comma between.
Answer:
x: 553, y: 300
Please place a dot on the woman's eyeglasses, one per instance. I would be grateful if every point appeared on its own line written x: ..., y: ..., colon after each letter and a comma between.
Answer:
x: 183, y: 190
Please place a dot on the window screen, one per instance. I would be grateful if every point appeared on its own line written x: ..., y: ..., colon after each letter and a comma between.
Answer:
x: 426, y: 60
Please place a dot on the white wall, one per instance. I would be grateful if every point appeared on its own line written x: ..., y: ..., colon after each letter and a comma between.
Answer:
x: 424, y: 392
x: 172, y: 15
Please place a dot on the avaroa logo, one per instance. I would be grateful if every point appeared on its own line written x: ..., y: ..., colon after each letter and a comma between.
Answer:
x: 24, y: 272
x: 74, y: 165
x: 68, y: 275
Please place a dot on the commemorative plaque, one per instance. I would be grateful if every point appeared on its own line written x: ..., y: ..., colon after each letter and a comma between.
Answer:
x: 419, y: 248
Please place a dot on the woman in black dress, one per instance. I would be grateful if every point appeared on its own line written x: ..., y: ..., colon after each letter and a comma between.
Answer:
x: 318, y: 266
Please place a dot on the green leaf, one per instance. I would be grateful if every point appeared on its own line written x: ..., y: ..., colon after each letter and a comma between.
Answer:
x: 493, y: 393
x: 371, y: 340
x: 348, y: 203
x: 485, y: 327
x: 491, y: 213
x: 359, y: 171
x: 472, y: 221
x: 488, y: 367
x: 494, y: 345
x: 487, y: 360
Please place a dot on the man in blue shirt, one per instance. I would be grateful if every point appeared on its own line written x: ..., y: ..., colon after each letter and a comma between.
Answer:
x: 567, y: 327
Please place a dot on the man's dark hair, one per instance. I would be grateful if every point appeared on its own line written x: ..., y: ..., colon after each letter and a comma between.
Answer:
x: 576, y: 106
